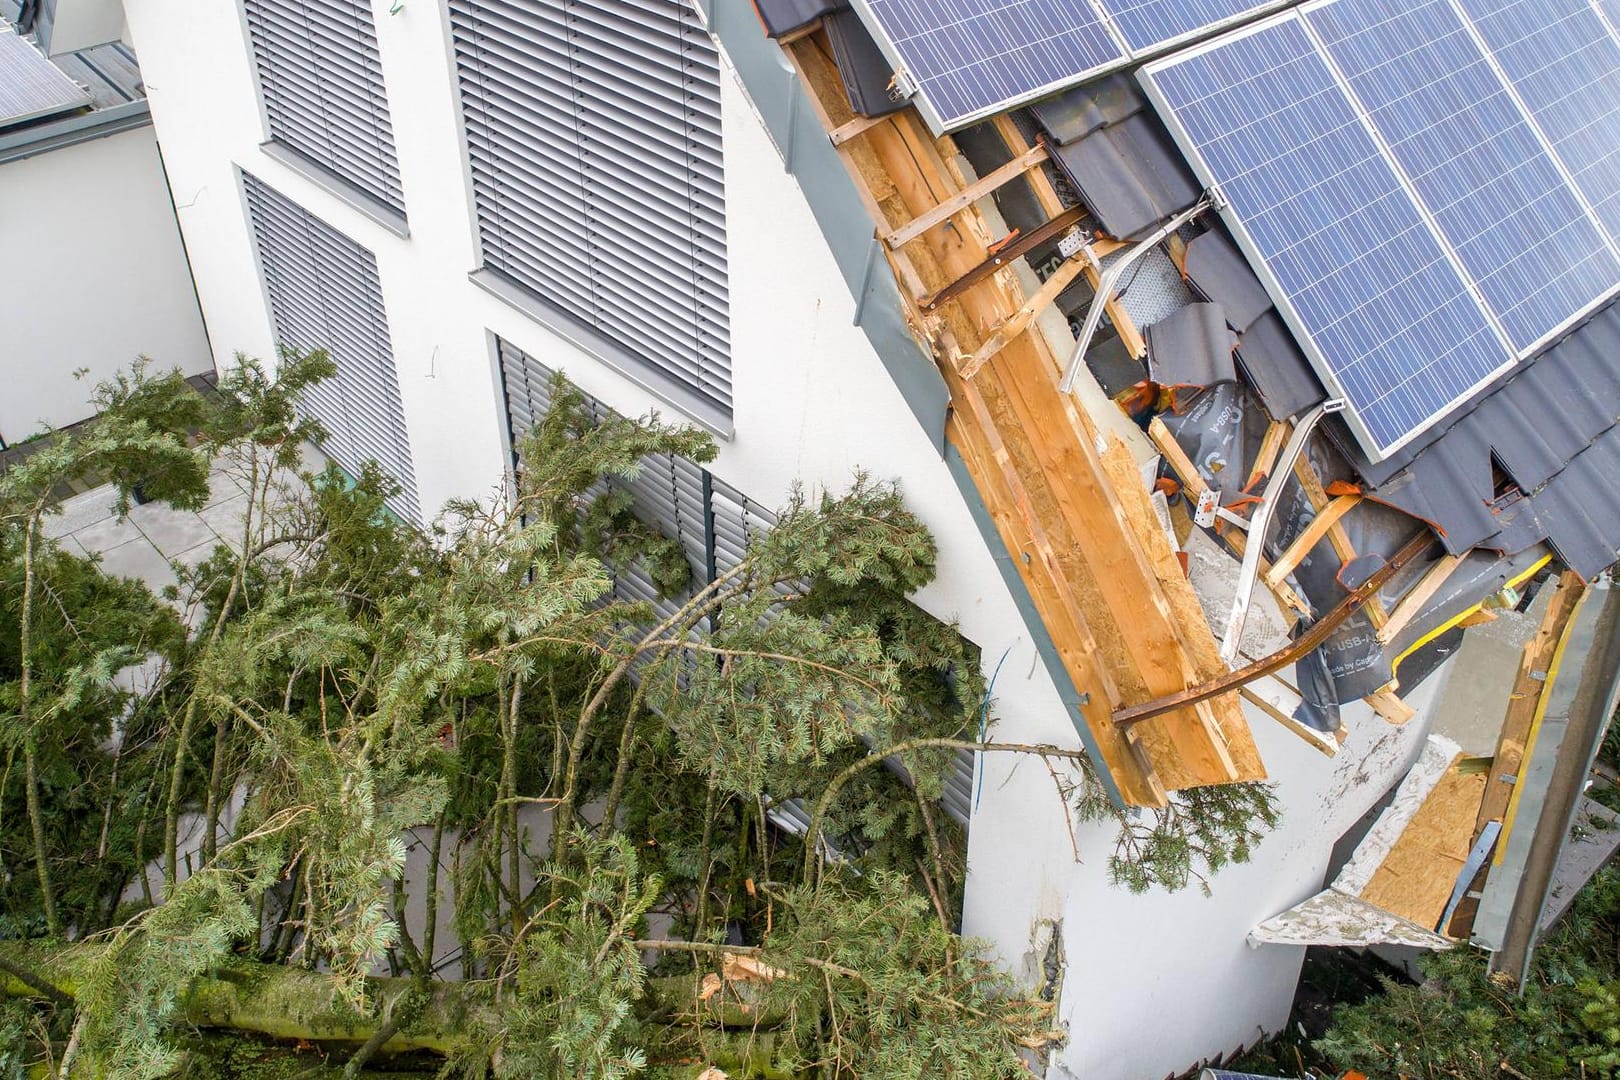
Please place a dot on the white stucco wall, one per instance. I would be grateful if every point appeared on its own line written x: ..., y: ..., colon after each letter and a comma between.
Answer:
x: 95, y: 276
x: 812, y: 402
x: 1153, y: 983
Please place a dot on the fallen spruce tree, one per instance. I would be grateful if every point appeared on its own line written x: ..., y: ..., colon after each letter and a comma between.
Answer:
x: 460, y: 756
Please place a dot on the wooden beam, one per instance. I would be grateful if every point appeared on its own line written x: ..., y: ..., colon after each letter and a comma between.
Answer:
x: 1050, y: 201
x: 910, y: 281
x: 1307, y: 540
x: 1016, y: 144
x: 1124, y: 599
x: 1193, y: 486
x: 1016, y: 323
x: 1524, y: 700
x: 1271, y: 444
x: 1317, y: 633
x: 1113, y: 602
x: 1342, y: 547
x: 1418, y: 596
x: 850, y: 129
x: 969, y: 195
x: 1389, y: 706
x: 1004, y: 254
x: 1261, y: 696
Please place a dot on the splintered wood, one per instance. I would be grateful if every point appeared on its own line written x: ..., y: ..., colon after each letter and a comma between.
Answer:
x: 1070, y: 506
x: 1524, y: 701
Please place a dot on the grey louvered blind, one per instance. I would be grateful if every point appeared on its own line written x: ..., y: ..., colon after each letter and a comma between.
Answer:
x: 325, y: 294
x: 321, y: 77
x: 593, y: 131
x: 714, y: 522
x: 668, y: 493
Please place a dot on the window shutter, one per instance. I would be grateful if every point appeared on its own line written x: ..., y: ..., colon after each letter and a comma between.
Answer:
x: 715, y: 524
x: 737, y: 518
x: 325, y: 294
x: 668, y: 493
x: 593, y: 131
x: 321, y: 76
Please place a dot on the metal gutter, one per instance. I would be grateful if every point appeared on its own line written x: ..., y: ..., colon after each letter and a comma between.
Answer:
x: 81, y: 127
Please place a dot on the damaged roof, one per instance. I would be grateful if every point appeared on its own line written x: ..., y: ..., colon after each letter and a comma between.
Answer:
x: 1533, y: 459
x: 1199, y: 344
x: 1495, y: 475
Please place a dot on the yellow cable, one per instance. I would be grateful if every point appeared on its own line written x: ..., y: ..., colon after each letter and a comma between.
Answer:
x: 1395, y: 666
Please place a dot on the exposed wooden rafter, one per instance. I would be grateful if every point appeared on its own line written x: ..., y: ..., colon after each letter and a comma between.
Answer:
x: 1070, y: 506
x: 955, y: 204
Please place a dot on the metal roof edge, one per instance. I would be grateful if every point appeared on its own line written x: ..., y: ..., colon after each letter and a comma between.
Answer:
x: 82, y: 127
x: 772, y: 86
x: 1577, y: 711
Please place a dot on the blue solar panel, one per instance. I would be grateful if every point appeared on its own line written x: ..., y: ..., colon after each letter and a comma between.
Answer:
x: 1479, y: 168
x: 1565, y: 65
x: 1387, y: 316
x: 971, y: 57
x: 1147, y: 23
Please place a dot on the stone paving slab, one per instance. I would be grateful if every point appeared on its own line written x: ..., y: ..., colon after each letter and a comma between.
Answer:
x: 171, y: 531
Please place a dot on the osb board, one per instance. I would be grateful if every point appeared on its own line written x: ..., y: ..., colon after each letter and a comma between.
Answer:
x: 1416, y: 878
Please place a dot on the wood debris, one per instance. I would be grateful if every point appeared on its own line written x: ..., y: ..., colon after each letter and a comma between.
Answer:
x: 745, y: 969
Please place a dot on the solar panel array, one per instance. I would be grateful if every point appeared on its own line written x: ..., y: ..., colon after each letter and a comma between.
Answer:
x: 31, y: 87
x: 1427, y: 206
x: 1145, y: 24
x: 971, y: 58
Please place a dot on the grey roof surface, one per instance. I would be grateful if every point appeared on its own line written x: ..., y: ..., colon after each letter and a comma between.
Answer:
x: 1268, y: 353
x: 868, y: 76
x: 784, y: 16
x: 1117, y: 155
x: 1191, y: 348
x: 31, y: 87
x: 1536, y: 458
x: 1530, y: 460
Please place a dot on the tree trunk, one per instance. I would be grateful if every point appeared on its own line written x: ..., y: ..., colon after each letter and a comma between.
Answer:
x: 296, y: 1005
x: 25, y: 716
x: 36, y: 820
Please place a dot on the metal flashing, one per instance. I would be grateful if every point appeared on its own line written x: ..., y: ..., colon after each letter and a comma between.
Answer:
x: 71, y: 130
x: 1575, y: 714
x: 772, y: 86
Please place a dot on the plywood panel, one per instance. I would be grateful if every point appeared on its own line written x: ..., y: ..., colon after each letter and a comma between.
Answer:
x: 1416, y: 878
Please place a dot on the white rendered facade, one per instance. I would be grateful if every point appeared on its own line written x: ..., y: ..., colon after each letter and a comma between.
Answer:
x: 1153, y: 983
x: 97, y: 276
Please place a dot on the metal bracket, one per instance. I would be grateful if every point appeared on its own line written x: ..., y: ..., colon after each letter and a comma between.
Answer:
x: 902, y: 87
x: 1107, y: 281
x: 1260, y: 521
x: 1071, y: 242
x: 1209, y: 502
x: 1209, y: 508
